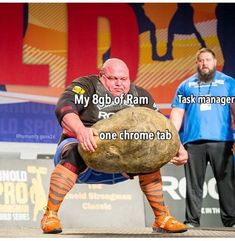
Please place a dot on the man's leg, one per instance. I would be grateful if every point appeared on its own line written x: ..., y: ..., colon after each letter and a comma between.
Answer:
x: 222, y: 163
x: 195, y: 170
x: 151, y: 185
x: 62, y: 180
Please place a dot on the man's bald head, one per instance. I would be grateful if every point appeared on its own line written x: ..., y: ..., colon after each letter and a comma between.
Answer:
x: 115, y: 64
x: 114, y: 75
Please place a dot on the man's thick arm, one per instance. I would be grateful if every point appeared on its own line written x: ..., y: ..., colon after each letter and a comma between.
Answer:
x: 232, y: 106
x: 176, y: 117
x: 85, y: 135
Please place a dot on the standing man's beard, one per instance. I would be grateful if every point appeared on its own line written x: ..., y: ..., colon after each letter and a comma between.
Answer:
x: 206, y: 77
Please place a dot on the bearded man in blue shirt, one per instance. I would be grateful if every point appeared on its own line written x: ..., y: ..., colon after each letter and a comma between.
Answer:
x: 205, y: 105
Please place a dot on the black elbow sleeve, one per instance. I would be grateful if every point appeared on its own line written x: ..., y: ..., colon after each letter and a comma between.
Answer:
x: 62, y: 108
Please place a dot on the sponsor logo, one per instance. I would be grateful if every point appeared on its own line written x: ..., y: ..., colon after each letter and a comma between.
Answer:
x: 78, y: 90
x: 176, y: 188
x: 104, y: 115
x: 22, y: 194
x: 219, y: 81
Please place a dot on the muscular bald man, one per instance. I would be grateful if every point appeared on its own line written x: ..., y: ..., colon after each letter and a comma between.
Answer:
x: 76, y: 113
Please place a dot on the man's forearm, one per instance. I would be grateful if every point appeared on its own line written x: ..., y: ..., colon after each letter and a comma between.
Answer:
x: 176, y: 117
x: 232, y: 106
x: 72, y: 123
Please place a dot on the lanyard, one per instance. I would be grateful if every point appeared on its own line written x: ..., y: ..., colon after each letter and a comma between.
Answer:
x: 209, y: 90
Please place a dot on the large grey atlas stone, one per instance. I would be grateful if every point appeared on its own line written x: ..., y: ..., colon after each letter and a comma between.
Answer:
x: 134, y: 155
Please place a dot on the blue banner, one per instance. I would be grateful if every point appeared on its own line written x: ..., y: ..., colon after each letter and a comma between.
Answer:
x: 29, y: 122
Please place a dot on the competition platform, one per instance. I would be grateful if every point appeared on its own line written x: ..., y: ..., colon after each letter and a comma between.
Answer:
x: 118, y: 233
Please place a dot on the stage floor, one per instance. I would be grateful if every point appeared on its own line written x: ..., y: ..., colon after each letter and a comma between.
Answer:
x: 116, y: 233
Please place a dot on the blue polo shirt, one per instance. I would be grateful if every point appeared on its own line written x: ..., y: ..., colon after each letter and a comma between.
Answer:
x: 205, y: 121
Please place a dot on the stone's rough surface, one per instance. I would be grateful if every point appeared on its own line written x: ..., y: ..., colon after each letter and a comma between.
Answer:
x: 133, y: 156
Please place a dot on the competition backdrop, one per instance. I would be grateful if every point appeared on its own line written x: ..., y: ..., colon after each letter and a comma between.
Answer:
x: 44, y: 46
x: 24, y: 188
